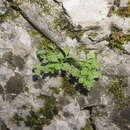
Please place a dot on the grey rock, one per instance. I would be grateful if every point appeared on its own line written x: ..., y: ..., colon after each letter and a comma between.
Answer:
x: 105, y: 124
x: 127, y: 47
x: 57, y: 125
x: 123, y: 3
x: 86, y: 15
x: 3, y: 8
x: 17, y: 56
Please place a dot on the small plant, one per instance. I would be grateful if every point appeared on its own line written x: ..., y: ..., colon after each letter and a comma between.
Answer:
x: 54, y: 61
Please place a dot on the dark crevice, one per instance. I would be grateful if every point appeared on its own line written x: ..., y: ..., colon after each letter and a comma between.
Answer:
x: 91, y: 118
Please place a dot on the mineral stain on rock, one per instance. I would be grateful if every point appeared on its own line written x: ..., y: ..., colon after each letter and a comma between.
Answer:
x: 1, y: 89
x: 14, y: 60
x: 15, y: 84
x: 123, y: 118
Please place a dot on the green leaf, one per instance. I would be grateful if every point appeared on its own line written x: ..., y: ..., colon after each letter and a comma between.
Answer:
x: 82, y: 80
x: 75, y: 72
x: 65, y: 66
x: 84, y: 71
x: 51, y: 46
x: 60, y: 56
x: 38, y: 69
x: 96, y: 74
x: 57, y: 66
x: 66, y: 51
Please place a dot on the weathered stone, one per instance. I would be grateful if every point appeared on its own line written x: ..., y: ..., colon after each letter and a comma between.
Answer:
x: 1, y: 89
x: 17, y: 56
x: 122, y: 118
x: 2, y: 7
x: 13, y: 60
x: 105, y: 124
x: 87, y: 12
x: 15, y: 84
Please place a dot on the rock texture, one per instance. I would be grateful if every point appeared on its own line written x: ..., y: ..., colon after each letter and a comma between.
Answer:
x: 53, y: 103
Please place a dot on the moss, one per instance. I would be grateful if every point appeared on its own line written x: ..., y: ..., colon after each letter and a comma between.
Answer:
x: 122, y: 102
x: 61, y: 23
x: 117, y: 3
x: 32, y: 32
x: 40, y: 40
x: 37, y: 118
x: 119, y: 83
x: 43, y: 43
x: 10, y: 14
x: 122, y: 11
x: 117, y: 38
x: 67, y: 88
x: 50, y: 108
x: 17, y: 119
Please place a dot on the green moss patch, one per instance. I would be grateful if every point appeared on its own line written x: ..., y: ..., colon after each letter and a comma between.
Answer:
x: 117, y: 38
x: 119, y: 83
x: 61, y: 23
x: 121, y: 11
x: 35, y: 119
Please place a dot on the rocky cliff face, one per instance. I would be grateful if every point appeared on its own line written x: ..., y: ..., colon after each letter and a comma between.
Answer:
x: 52, y: 103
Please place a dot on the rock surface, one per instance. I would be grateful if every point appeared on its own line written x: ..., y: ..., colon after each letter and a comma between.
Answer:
x: 86, y: 12
x: 25, y: 103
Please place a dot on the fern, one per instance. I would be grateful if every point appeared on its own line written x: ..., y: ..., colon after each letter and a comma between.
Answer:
x: 52, y: 61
